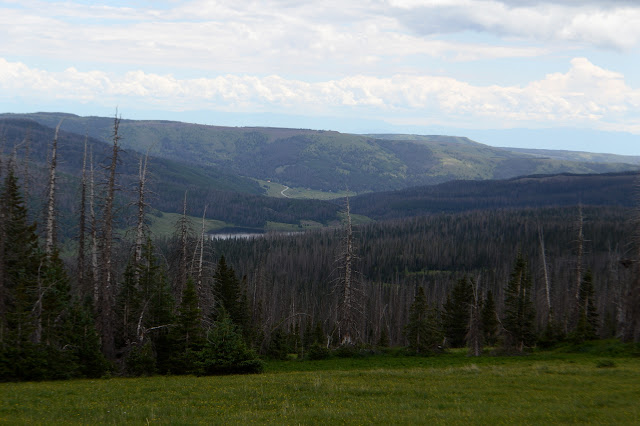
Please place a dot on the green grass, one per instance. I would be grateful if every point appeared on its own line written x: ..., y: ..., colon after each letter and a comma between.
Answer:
x: 164, y: 224
x: 452, y: 389
x: 275, y: 189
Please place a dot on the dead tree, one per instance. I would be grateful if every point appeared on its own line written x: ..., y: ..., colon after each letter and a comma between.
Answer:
x: 25, y: 161
x: 95, y: 267
x: 82, y: 226
x: 183, y: 235
x: 474, y: 335
x: 545, y: 269
x: 579, y: 261
x: 50, y: 230
x: 350, y: 306
x: 108, y: 284
x: 141, y: 205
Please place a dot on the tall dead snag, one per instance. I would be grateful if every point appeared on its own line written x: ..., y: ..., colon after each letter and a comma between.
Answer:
x: 141, y: 205
x: 95, y: 267
x: 543, y: 254
x: 50, y: 229
x: 198, y: 262
x: 350, y: 296
x: 182, y: 236
x: 579, y: 261
x: 474, y: 335
x: 107, y: 293
x: 25, y: 163
x: 82, y: 225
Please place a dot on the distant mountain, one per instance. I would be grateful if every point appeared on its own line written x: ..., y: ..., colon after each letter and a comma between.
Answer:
x: 326, y: 160
x: 235, y: 200
x: 530, y: 191
x: 579, y: 156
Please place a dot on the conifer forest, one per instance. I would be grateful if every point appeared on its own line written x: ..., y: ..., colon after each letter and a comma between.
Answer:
x: 97, y: 293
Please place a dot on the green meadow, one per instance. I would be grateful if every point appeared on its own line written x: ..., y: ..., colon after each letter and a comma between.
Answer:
x: 540, y: 388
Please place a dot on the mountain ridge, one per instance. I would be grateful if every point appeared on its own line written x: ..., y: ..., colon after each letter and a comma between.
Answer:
x: 324, y: 160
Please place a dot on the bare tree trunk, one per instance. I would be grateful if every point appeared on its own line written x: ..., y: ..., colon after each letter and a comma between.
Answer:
x: 579, y: 261
x: 543, y: 254
x: 474, y: 335
x: 106, y: 308
x: 49, y: 243
x: 350, y: 305
x: 25, y: 161
x: 201, y: 257
x: 82, y: 225
x: 95, y: 269
x: 183, y: 235
x: 142, y: 205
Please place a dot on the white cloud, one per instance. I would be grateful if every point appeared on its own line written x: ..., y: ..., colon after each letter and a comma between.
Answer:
x: 317, y: 39
x: 586, y: 94
x: 606, y: 24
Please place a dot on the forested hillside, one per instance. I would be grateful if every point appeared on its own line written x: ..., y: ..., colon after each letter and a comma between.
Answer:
x: 296, y: 273
x: 326, y: 160
x: 229, y: 198
x: 527, y: 191
x: 485, y: 272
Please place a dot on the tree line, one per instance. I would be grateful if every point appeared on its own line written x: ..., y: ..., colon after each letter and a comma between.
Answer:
x: 188, y: 304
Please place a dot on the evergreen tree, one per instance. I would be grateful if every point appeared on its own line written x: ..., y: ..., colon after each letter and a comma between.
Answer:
x: 422, y: 330
x: 230, y: 296
x: 587, y: 326
x: 456, y: 313
x: 519, y: 313
x: 225, y: 351
x: 187, y: 336
x: 489, y: 320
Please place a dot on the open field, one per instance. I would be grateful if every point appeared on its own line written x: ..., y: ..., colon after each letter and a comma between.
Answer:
x: 450, y: 389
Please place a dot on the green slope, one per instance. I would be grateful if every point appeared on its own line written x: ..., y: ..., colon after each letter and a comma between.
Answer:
x: 327, y: 161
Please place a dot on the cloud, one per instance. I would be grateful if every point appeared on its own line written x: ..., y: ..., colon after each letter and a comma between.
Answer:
x: 586, y: 94
x: 605, y: 24
x: 317, y: 39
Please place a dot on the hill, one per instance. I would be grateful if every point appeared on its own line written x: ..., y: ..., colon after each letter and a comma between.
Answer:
x: 617, y: 189
x: 235, y: 200
x: 326, y: 160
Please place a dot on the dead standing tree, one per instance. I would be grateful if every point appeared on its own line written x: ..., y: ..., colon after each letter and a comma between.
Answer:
x: 50, y: 229
x: 348, y: 288
x: 107, y: 293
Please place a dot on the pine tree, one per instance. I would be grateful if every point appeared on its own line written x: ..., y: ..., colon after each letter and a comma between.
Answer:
x: 187, y: 337
x: 587, y: 326
x: 422, y: 330
x: 456, y: 313
x: 230, y: 296
x: 20, y: 262
x: 489, y: 320
x: 519, y: 313
x: 225, y: 351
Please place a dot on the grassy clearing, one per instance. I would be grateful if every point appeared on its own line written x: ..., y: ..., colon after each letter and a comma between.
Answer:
x: 275, y: 190
x: 540, y: 389
x: 164, y: 224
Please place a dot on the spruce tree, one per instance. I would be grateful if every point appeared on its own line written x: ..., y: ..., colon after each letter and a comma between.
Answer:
x: 519, y: 312
x: 456, y: 313
x: 489, y: 320
x: 422, y: 330
x: 587, y: 326
x: 187, y: 336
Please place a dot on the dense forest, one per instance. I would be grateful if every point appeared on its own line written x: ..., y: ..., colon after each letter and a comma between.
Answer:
x: 132, y: 303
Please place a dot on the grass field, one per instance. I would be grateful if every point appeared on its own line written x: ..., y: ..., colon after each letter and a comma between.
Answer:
x: 450, y: 389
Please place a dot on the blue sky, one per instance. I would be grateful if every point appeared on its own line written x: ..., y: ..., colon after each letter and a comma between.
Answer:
x: 526, y: 73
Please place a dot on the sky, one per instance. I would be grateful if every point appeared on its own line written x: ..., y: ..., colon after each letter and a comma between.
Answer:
x: 557, y: 74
